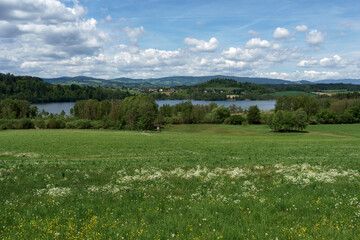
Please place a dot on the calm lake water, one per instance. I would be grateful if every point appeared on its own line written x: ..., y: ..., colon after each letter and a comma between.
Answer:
x: 245, y: 104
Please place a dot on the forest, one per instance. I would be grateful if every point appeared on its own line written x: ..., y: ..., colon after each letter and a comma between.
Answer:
x: 35, y: 90
x: 291, y: 113
x: 98, y: 107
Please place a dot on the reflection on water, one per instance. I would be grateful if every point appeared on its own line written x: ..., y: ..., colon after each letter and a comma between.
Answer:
x: 56, y: 108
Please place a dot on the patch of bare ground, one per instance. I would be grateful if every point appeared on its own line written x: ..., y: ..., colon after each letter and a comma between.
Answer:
x: 327, y: 134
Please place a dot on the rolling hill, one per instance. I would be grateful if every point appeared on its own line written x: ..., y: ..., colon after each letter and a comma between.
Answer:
x: 178, y: 81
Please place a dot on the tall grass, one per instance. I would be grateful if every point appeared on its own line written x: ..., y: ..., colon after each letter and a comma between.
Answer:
x: 187, y: 182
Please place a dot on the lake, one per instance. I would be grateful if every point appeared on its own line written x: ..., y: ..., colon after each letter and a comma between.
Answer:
x: 56, y: 108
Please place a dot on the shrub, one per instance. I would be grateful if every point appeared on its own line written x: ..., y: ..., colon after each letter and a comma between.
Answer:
x: 253, y: 115
x: 326, y: 117
x: 219, y: 114
x: 285, y: 121
x: 39, y: 123
x: 26, y: 123
x: 235, y: 120
x: 54, y: 123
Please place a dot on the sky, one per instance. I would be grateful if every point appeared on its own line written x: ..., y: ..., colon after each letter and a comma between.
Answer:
x: 284, y: 39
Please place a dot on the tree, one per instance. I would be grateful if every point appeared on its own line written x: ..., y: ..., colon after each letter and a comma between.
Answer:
x: 285, y: 121
x: 219, y: 114
x: 253, y: 115
x: 235, y: 120
x: 139, y: 112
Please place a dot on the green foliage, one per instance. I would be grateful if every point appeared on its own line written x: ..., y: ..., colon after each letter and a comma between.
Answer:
x: 26, y: 123
x: 326, y: 117
x: 36, y: 90
x: 292, y: 103
x: 286, y: 121
x: 15, y: 109
x: 219, y: 114
x: 55, y: 123
x: 253, y: 115
x: 139, y: 112
x: 235, y: 120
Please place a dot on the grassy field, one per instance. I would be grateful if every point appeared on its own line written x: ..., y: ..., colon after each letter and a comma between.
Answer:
x: 292, y: 93
x: 338, y: 91
x: 187, y: 182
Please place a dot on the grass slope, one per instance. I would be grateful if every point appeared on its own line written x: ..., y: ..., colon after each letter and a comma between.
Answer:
x: 292, y: 93
x: 187, y: 182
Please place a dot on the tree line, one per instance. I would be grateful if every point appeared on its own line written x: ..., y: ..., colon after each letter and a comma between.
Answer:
x: 294, y: 113
x: 35, y: 90
x: 291, y: 113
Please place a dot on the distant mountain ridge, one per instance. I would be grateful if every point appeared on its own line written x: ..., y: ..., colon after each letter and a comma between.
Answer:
x: 179, y: 81
x: 346, y: 81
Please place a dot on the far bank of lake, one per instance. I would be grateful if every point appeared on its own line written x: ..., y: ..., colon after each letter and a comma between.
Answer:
x: 264, y: 105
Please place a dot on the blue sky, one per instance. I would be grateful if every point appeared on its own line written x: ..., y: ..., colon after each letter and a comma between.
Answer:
x: 293, y: 40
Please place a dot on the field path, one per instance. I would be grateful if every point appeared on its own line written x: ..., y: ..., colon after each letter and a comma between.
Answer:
x: 327, y: 134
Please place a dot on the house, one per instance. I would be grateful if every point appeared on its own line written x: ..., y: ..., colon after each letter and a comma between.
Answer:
x: 232, y: 96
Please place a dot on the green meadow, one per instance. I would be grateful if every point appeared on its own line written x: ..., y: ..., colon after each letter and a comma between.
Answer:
x: 187, y: 182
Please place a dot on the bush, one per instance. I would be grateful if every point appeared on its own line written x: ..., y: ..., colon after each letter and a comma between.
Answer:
x: 286, y: 121
x: 54, y: 123
x: 139, y: 112
x: 98, y: 124
x: 235, y: 120
x: 172, y: 120
x: 80, y: 124
x: 253, y: 115
x: 326, y: 117
x: 26, y: 123
x: 219, y: 114
x: 39, y: 123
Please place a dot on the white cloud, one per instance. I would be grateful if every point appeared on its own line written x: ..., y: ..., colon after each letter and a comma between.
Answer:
x: 311, y: 75
x: 257, y: 43
x: 201, y: 45
x: 36, y: 34
x: 301, y: 28
x: 30, y: 65
x: 247, y: 55
x: 48, y: 28
x: 253, y: 33
x: 308, y: 63
x: 8, y: 30
x: 281, y: 33
x: 107, y: 19
x: 333, y: 62
x: 41, y: 11
x: 134, y: 33
x: 315, y: 38
x: 314, y: 75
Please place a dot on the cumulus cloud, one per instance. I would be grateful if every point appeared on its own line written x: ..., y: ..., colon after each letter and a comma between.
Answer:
x: 281, y: 33
x: 253, y: 33
x: 333, y: 62
x: 8, y: 30
x: 257, y: 43
x: 43, y: 12
x: 315, y: 38
x: 308, y: 63
x: 301, y: 28
x: 36, y: 34
x: 310, y: 75
x: 201, y: 45
x: 49, y: 28
x: 134, y: 33
x: 247, y: 55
